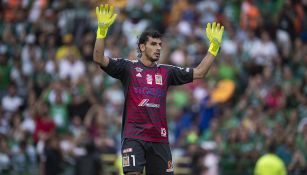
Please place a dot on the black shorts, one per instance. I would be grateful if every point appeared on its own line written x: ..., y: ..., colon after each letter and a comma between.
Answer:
x: 155, y: 157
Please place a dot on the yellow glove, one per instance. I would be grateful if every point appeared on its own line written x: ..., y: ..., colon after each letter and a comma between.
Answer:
x: 105, y: 18
x: 214, y: 34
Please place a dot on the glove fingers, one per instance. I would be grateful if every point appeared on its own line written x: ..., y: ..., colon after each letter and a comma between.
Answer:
x: 112, y: 19
x: 221, y: 33
x: 209, y: 25
x: 208, y: 31
x: 209, y: 34
x: 106, y: 9
x: 111, y: 10
x: 218, y: 27
x: 213, y: 26
x: 97, y: 11
x: 101, y: 8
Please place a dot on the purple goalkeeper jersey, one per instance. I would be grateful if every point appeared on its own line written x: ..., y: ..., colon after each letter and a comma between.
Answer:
x: 145, y: 88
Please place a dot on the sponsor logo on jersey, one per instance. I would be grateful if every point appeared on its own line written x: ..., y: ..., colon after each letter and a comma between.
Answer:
x: 149, y: 79
x: 163, y: 132
x: 126, y: 161
x: 139, y: 74
x: 145, y: 103
x: 170, y: 167
x: 158, y: 79
x: 155, y: 92
x: 138, y: 69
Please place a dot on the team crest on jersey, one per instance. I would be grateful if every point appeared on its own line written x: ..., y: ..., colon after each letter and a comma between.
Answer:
x: 158, y: 79
x: 138, y: 69
x: 149, y: 79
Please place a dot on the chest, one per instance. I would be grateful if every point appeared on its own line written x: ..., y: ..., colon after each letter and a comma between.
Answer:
x: 149, y: 82
x: 149, y: 77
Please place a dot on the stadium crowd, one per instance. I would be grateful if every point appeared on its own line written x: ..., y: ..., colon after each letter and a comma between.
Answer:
x: 54, y: 99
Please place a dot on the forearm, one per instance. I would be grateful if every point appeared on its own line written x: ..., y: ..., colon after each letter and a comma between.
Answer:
x: 98, y: 54
x: 105, y: 18
x: 201, y: 70
x: 214, y: 34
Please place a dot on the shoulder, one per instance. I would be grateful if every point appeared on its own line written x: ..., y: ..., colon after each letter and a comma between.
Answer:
x: 169, y: 66
x: 175, y: 68
x: 124, y: 60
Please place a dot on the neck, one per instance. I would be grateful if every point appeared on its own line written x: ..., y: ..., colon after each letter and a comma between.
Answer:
x: 147, y: 62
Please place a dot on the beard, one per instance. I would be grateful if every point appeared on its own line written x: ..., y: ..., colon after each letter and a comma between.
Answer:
x: 152, y: 57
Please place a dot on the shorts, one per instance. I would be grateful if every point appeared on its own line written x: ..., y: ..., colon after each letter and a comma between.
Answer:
x: 155, y: 157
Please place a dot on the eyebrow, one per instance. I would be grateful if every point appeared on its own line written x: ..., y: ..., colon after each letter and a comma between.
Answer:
x: 154, y: 43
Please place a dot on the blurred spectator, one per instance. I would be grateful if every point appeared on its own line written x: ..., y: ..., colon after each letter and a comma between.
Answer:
x: 134, y: 26
x: 52, y: 159
x: 68, y: 48
x: 45, y: 126
x: 4, y: 156
x: 71, y: 68
x: 250, y: 16
x: 90, y: 163
x: 11, y: 102
x: 58, y: 99
x: 270, y: 163
x: 265, y: 51
x: 5, y: 74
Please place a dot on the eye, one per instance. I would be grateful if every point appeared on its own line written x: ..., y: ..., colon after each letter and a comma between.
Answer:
x: 156, y: 44
x: 153, y: 43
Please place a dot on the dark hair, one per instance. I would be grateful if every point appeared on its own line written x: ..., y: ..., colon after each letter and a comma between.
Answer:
x: 144, y: 38
x: 272, y: 147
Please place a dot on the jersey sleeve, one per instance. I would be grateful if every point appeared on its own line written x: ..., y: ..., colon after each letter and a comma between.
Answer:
x: 179, y: 75
x: 117, y: 68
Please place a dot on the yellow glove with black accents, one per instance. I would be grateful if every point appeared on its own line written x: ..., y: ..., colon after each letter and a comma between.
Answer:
x: 105, y: 17
x: 214, y: 34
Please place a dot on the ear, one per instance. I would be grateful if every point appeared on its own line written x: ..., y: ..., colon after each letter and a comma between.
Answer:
x: 142, y: 47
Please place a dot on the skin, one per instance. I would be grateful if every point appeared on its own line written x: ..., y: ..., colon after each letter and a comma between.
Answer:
x: 151, y: 51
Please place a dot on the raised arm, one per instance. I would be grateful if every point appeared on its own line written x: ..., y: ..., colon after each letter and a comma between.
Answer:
x: 105, y: 18
x: 214, y: 34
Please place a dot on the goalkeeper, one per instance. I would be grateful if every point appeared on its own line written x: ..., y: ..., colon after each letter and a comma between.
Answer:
x: 145, y: 83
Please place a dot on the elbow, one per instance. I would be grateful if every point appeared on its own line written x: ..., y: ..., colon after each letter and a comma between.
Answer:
x: 101, y: 61
x: 95, y: 59
x: 197, y: 74
x: 97, y: 56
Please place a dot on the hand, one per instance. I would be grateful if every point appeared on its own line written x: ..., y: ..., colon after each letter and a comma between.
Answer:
x: 214, y: 34
x: 105, y: 18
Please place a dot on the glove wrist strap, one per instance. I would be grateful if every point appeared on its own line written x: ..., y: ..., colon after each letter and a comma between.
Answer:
x: 214, y: 49
x: 101, y: 33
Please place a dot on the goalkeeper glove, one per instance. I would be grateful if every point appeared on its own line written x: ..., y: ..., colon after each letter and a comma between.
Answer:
x: 105, y: 18
x: 214, y: 34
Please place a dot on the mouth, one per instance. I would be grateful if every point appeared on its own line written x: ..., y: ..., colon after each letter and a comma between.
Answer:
x: 157, y: 54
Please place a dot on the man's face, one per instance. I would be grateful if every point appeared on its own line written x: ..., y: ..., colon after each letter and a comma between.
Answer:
x: 152, y: 49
